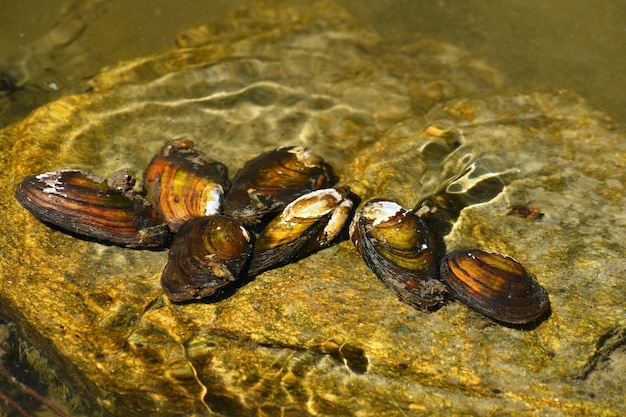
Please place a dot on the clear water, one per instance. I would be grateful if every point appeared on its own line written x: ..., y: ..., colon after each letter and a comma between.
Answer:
x: 562, y: 44
x: 570, y: 44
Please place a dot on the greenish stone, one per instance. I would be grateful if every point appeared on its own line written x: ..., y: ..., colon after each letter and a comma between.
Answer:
x: 323, y: 336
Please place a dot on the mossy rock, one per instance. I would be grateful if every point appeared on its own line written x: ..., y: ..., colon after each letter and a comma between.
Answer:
x: 323, y: 336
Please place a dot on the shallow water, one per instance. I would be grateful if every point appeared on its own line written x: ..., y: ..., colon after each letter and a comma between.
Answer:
x: 536, y: 47
x: 536, y: 44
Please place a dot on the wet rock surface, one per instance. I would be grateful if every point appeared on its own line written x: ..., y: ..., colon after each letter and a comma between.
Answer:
x: 324, y: 336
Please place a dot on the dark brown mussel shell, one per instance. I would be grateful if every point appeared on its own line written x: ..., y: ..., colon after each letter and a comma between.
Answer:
x: 182, y: 183
x: 495, y: 285
x: 306, y: 225
x: 207, y: 254
x: 268, y: 182
x: 399, y: 248
x: 83, y: 203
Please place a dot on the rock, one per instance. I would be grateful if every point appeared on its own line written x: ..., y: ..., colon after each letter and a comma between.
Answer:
x: 323, y: 336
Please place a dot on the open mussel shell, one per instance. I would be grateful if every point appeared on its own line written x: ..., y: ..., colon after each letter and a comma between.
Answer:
x: 306, y: 225
x: 268, y: 182
x: 399, y: 248
x: 183, y: 183
x: 207, y: 254
x: 83, y: 203
x: 495, y: 285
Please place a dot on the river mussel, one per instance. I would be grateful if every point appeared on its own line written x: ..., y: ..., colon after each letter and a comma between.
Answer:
x: 182, y: 183
x: 82, y: 203
x: 495, y: 285
x: 212, y: 252
x: 278, y: 210
x: 207, y: 254
x: 273, y: 179
x: 399, y: 248
x: 183, y: 191
x: 308, y: 224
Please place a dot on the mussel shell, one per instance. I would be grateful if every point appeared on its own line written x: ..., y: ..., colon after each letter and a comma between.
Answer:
x: 399, y: 248
x: 182, y: 183
x: 82, y: 203
x: 495, y: 285
x: 268, y: 182
x: 306, y: 225
x: 207, y: 254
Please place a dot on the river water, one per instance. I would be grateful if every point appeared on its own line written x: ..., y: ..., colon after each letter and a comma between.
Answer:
x: 54, y: 49
x: 51, y: 47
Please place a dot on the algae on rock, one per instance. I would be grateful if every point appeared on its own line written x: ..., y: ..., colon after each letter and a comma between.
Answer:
x: 324, y: 336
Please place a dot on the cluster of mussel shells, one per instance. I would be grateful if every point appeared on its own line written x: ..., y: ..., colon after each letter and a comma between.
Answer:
x: 281, y: 206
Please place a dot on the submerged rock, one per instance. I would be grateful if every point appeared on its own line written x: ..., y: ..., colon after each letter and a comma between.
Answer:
x: 324, y: 336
